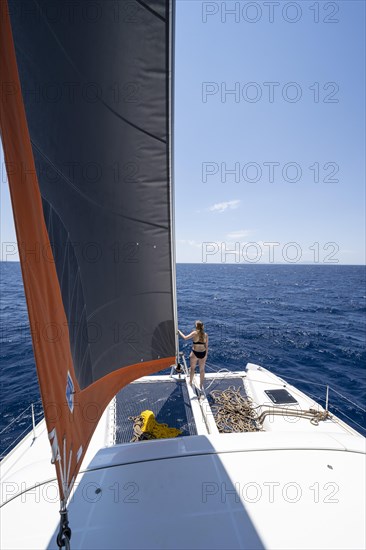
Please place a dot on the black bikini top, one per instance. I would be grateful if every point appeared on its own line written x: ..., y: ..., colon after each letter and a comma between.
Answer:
x: 201, y: 343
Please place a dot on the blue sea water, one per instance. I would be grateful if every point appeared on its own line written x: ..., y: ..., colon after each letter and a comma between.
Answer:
x: 305, y: 323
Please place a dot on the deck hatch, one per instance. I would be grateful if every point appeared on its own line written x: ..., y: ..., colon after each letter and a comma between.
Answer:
x: 280, y: 397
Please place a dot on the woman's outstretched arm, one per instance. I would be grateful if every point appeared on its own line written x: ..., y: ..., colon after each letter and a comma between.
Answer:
x: 188, y: 335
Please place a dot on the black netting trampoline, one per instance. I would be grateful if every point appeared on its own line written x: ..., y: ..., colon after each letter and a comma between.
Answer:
x: 168, y: 400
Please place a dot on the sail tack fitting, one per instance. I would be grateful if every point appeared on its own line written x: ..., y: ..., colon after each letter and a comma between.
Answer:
x: 64, y: 534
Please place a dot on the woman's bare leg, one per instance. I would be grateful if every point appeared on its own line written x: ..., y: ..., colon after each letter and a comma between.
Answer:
x: 202, y: 363
x: 193, y: 362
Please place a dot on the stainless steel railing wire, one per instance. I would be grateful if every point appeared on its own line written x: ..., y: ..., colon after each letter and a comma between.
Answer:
x: 336, y: 408
x: 23, y: 419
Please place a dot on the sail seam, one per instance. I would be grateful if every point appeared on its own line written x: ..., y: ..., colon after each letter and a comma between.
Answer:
x: 151, y: 10
x: 132, y: 123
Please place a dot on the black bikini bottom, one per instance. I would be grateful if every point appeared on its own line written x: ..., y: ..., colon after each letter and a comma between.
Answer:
x: 199, y: 354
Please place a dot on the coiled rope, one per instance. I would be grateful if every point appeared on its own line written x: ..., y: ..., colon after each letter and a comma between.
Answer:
x: 233, y: 412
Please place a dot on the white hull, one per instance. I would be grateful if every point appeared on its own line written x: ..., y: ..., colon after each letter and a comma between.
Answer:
x: 293, y: 485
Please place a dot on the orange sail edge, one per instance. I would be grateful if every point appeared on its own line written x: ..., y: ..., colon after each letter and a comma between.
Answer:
x: 71, y: 433
x: 71, y: 421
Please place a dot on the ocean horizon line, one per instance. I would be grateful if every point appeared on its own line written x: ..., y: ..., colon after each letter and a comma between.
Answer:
x: 290, y: 264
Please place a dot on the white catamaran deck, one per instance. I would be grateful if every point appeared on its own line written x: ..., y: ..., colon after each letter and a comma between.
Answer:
x: 294, y: 484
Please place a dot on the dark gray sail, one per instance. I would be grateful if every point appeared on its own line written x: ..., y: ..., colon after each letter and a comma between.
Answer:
x: 85, y: 118
x: 95, y: 85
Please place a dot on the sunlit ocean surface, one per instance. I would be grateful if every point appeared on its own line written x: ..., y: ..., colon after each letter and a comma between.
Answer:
x: 305, y: 323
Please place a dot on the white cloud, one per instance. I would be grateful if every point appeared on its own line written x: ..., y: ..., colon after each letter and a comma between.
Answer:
x: 239, y: 234
x: 222, y: 206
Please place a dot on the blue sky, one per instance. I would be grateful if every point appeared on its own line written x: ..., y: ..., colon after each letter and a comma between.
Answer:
x: 306, y: 130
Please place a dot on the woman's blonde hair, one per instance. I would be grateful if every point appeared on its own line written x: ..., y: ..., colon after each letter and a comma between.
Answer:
x: 200, y: 329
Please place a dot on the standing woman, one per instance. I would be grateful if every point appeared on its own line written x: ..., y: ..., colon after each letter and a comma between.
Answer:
x: 199, y: 350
